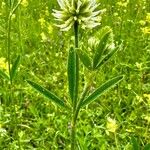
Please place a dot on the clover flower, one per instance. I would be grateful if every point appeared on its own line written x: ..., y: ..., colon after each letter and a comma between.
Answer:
x: 80, y: 11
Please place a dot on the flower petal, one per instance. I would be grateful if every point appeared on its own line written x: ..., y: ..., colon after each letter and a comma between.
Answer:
x: 67, y: 25
x: 61, y: 4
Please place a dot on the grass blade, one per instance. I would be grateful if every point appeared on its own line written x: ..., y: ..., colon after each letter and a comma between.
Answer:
x: 4, y: 75
x: 73, y: 74
x: 46, y: 93
x: 99, y: 91
x: 147, y: 147
x: 14, y: 68
x: 135, y: 144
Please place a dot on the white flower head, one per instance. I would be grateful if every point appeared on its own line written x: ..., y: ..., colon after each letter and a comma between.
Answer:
x: 80, y: 11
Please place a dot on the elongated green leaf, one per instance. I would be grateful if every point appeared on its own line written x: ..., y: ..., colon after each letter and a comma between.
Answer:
x: 73, y: 74
x: 14, y: 68
x: 46, y: 93
x: 101, y: 47
x: 85, y: 59
x: 135, y: 144
x: 4, y: 75
x: 83, y: 95
x: 107, y: 57
x: 147, y: 147
x: 99, y: 91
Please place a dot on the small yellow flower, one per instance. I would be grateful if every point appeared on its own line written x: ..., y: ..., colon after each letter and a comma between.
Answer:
x: 142, y: 22
x: 46, y: 12
x: 2, y: 130
x: 43, y: 36
x: 65, y: 74
x: 122, y: 4
x: 24, y: 3
x: 42, y: 22
x: 80, y: 11
x: 147, y: 118
x: 147, y: 96
x: 111, y: 125
x: 3, y: 4
x: 139, y: 98
x: 3, y: 64
x: 138, y: 65
x: 116, y: 14
x: 148, y: 17
x: 146, y: 30
x: 55, y: 78
x: 50, y: 29
x: 129, y: 130
x: 129, y: 87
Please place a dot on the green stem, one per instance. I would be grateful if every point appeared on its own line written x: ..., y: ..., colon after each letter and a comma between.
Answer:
x: 77, y: 65
x: 11, y: 12
x: 73, y: 133
x: 73, y: 128
x: 76, y: 34
x: 116, y: 142
x: 75, y: 113
x: 8, y: 46
x: 19, y: 31
x: 75, y: 116
x: 11, y: 89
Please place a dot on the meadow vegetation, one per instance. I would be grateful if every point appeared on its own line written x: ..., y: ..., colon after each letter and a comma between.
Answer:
x: 33, y: 48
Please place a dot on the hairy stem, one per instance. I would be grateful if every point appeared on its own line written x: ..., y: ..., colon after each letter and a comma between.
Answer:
x: 76, y: 34
x: 75, y: 114
x: 73, y: 133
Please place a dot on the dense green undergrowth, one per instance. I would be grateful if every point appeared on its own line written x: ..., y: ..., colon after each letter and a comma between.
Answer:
x: 116, y: 121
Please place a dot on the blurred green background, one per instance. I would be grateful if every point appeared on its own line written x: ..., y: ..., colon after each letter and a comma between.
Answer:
x: 30, y: 121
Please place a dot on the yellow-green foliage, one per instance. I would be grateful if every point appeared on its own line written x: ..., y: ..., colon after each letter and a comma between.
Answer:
x: 28, y: 121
